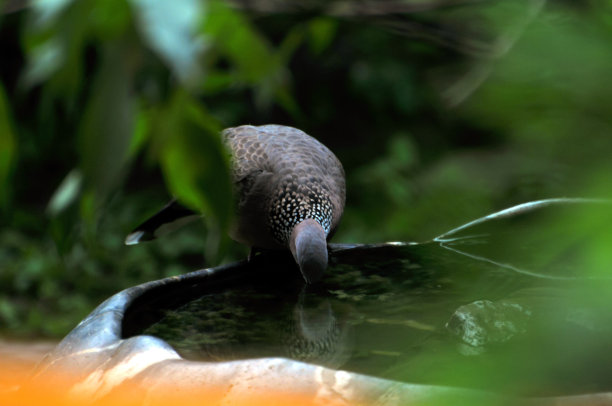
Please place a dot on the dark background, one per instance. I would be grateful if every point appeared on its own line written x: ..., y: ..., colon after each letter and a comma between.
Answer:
x: 441, y: 112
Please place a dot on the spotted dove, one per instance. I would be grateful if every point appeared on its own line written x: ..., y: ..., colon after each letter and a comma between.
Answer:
x: 290, y: 193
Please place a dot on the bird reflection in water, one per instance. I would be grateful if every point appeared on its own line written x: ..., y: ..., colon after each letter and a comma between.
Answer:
x: 255, y: 322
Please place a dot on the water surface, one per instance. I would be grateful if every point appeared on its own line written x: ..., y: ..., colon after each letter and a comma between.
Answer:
x: 492, y: 306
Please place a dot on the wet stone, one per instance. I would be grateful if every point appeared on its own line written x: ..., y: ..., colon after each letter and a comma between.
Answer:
x: 483, y: 322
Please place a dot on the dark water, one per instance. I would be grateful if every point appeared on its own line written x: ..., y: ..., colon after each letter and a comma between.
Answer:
x: 458, y: 311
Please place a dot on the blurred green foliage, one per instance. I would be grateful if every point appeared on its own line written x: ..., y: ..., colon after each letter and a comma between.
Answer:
x: 108, y: 107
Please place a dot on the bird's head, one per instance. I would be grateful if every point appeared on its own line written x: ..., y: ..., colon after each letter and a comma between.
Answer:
x: 308, y: 245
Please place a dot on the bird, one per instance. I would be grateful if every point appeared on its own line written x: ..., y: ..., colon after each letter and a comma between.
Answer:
x: 290, y: 192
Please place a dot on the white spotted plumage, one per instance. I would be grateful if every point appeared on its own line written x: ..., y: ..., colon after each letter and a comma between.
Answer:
x: 282, y: 176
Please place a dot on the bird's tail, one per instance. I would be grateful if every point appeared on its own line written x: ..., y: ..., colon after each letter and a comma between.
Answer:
x: 172, y: 216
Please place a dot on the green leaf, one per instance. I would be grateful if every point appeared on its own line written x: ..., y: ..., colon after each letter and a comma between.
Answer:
x: 170, y: 28
x: 253, y: 61
x: 321, y: 34
x: 106, y: 129
x: 141, y: 133
x: 110, y: 18
x: 194, y: 159
x: 8, y: 141
x: 67, y: 192
x: 56, y: 38
x: 45, y: 59
x: 53, y: 40
x: 46, y: 12
x: 236, y: 39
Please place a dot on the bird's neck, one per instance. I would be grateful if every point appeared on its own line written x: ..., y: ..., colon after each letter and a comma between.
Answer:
x: 308, y: 245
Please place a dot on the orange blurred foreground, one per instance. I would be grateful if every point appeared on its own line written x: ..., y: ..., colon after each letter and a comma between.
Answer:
x: 17, y: 389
